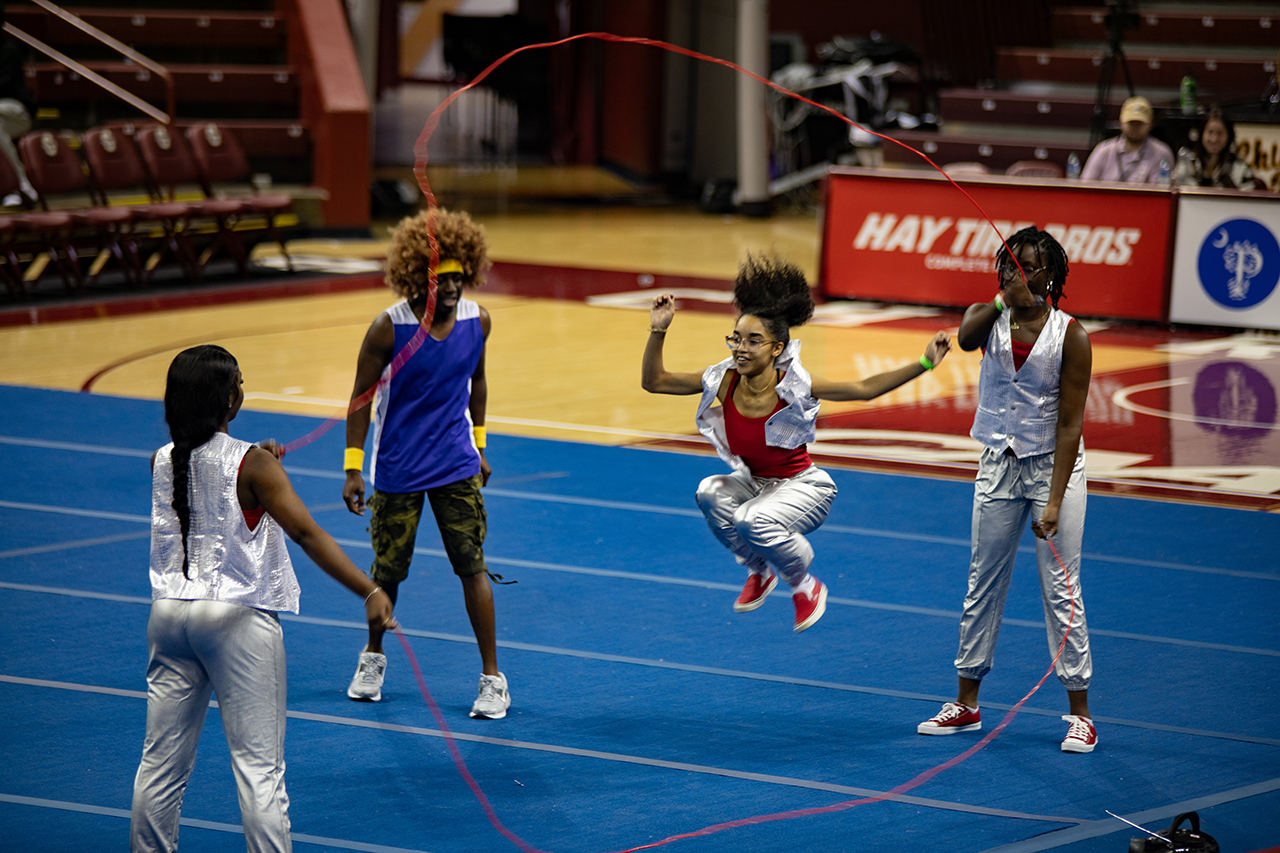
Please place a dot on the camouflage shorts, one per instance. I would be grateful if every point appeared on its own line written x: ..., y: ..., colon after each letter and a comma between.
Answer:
x: 459, y: 511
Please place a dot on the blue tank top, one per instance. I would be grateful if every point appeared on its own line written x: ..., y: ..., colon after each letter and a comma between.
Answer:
x: 421, y: 423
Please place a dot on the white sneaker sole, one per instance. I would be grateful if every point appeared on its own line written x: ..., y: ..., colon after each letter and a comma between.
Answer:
x: 361, y: 697
x: 817, y: 612
x: 480, y: 715
x: 1077, y: 746
x: 926, y: 729
x: 748, y: 607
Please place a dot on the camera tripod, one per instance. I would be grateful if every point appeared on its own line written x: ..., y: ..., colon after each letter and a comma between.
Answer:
x: 1121, y: 15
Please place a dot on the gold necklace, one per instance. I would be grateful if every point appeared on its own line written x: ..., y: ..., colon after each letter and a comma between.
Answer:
x: 1014, y: 324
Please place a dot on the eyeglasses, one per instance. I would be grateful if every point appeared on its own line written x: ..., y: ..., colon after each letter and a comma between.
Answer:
x: 1008, y: 269
x: 750, y: 344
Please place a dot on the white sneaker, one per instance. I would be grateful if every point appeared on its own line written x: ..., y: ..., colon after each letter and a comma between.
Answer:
x: 494, y: 699
x: 366, y: 685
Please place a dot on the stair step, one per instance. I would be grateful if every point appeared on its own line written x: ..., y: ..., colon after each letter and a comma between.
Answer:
x: 142, y: 28
x: 1220, y: 73
x: 1202, y: 24
x: 51, y: 83
x: 997, y: 148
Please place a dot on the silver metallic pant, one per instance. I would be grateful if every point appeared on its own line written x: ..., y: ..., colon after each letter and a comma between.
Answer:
x: 1007, y: 490
x: 237, y: 652
x: 764, y: 521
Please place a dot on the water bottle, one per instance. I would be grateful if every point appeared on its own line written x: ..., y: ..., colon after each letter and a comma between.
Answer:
x: 1186, y: 166
x: 1162, y: 177
x: 1187, y: 95
x: 1073, y: 166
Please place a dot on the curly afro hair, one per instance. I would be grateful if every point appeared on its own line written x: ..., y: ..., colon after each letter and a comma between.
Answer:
x: 775, y: 291
x: 409, y: 256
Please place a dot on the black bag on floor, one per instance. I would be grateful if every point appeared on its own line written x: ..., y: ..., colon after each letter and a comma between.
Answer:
x: 1179, y: 840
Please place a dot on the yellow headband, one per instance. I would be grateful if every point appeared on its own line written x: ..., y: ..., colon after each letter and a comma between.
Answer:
x: 449, y: 266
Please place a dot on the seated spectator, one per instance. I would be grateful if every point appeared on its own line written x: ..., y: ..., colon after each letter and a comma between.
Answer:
x: 1213, y: 161
x: 1133, y: 156
x: 16, y: 106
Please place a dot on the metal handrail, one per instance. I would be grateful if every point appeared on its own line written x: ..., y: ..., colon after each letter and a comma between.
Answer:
x: 117, y: 45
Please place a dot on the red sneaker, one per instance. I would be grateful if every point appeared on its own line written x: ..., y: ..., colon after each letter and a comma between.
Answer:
x: 757, y: 589
x: 951, y: 719
x: 809, y: 608
x: 1082, y: 736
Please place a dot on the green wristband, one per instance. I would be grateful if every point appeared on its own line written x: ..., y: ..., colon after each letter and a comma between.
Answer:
x: 926, y: 363
x: 999, y: 301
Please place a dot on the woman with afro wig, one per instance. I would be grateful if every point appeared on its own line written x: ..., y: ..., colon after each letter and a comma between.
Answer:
x: 428, y: 434
x: 758, y: 410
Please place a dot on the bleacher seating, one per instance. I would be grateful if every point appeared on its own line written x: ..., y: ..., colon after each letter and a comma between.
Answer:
x: 221, y: 160
x: 263, y: 81
x: 280, y: 73
x: 55, y: 171
x: 1040, y: 105
x: 1203, y: 24
x: 39, y: 236
x: 171, y: 164
x: 115, y: 165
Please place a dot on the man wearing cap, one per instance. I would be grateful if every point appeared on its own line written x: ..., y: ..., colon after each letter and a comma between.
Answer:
x: 428, y: 432
x: 1132, y: 157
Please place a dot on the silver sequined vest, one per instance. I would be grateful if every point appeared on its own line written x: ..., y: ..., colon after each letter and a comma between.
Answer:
x: 226, y: 560
x: 1019, y: 408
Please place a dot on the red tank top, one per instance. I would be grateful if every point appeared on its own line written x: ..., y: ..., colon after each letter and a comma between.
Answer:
x: 746, y: 439
x: 1020, y: 351
x: 251, y: 516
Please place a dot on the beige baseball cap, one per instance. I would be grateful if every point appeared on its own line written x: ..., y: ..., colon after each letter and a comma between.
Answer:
x: 1136, y: 109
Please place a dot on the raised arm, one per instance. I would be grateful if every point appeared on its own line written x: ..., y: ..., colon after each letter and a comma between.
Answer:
x: 375, y: 355
x: 268, y: 485
x: 1073, y: 392
x: 881, y: 383
x: 654, y: 377
x: 976, y: 325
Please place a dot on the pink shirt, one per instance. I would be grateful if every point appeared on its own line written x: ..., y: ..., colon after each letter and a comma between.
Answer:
x: 1110, y: 162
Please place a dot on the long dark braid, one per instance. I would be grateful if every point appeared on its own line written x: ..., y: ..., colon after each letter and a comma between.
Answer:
x: 197, y: 399
x: 775, y: 291
x: 1049, y: 253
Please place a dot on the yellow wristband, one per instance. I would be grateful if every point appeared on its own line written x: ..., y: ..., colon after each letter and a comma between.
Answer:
x: 353, y: 459
x: 926, y: 363
x: 477, y: 433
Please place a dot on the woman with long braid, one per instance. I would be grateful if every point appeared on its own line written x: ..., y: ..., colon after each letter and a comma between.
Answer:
x: 767, y: 408
x: 1031, y: 398
x: 220, y: 511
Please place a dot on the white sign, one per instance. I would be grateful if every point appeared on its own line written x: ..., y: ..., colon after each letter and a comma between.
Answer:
x: 1259, y: 146
x: 1226, y: 262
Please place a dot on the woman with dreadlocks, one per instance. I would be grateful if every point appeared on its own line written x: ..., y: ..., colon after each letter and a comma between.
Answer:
x: 1031, y: 398
x: 220, y: 509
x: 767, y: 408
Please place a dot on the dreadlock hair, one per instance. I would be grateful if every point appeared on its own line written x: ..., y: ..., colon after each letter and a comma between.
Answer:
x: 197, y: 399
x: 457, y: 238
x: 1049, y: 254
x: 775, y: 291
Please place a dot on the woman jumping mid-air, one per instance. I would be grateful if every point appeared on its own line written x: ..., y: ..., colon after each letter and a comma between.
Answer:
x: 767, y: 408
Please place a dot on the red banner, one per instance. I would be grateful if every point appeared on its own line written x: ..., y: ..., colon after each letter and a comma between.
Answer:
x: 898, y: 237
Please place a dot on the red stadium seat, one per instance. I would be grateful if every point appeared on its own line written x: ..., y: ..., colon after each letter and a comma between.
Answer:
x: 171, y: 164
x: 222, y: 160
x: 115, y: 164
x: 56, y: 170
